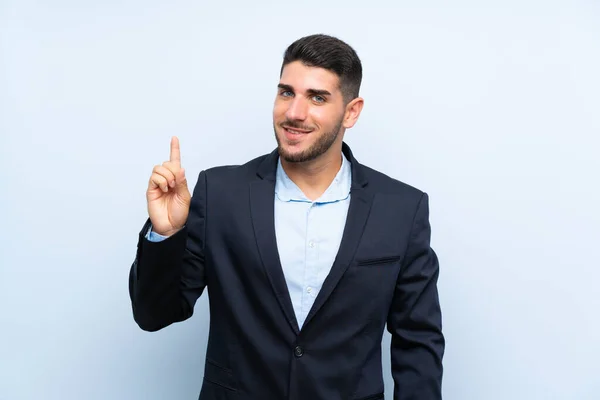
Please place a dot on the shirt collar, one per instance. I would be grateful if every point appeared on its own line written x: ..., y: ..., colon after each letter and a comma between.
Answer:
x: 339, y: 189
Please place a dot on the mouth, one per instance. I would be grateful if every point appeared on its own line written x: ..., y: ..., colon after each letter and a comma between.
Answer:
x: 295, y: 131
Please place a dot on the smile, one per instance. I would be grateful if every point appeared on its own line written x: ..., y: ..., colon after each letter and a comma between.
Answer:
x: 295, y: 131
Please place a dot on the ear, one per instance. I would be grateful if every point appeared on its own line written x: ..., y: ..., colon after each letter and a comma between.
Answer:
x: 352, y: 113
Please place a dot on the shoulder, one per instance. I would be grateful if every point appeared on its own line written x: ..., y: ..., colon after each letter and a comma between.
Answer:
x: 232, y: 174
x: 382, y: 183
x: 395, y: 196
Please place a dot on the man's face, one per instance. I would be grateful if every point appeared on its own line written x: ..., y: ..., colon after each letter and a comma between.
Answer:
x: 308, y: 112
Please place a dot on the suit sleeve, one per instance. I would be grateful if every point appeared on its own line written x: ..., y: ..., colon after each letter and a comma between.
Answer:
x: 168, y: 276
x: 415, y: 320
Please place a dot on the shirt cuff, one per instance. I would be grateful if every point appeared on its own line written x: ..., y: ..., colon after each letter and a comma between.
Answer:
x: 153, y: 236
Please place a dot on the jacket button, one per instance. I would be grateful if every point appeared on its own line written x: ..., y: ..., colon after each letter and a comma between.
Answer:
x: 298, y: 352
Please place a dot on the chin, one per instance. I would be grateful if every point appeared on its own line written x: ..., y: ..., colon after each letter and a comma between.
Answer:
x: 289, y: 152
x: 293, y: 151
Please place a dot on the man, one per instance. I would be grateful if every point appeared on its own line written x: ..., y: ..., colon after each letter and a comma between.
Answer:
x: 307, y: 255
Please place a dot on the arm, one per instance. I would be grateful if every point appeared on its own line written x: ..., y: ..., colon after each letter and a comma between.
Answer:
x: 415, y: 319
x: 168, y: 274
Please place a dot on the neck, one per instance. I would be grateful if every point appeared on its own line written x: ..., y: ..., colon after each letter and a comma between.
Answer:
x: 314, y: 177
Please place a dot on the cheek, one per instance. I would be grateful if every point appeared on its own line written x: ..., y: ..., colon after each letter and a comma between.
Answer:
x: 322, y: 117
x: 279, y: 109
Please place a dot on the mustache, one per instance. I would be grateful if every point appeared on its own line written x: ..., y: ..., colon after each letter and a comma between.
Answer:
x: 296, y: 125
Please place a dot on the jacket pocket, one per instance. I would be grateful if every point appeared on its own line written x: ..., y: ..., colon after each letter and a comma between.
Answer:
x: 377, y: 261
x: 218, y: 375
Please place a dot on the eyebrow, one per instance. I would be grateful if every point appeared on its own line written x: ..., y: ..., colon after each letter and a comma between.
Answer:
x: 313, y: 92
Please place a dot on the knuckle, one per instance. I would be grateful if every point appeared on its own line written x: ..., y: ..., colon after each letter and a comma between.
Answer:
x: 158, y: 178
x: 171, y: 168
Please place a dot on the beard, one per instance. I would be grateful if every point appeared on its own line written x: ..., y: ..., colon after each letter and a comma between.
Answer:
x: 323, y: 143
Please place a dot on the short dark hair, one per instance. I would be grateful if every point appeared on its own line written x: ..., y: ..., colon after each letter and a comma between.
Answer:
x: 330, y: 53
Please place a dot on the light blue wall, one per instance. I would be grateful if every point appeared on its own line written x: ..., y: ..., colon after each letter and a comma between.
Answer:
x: 493, y: 110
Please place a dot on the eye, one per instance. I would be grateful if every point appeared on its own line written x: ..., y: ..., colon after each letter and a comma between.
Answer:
x: 319, y: 99
x: 286, y: 93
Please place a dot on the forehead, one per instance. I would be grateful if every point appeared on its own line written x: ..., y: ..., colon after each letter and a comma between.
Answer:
x: 302, y: 78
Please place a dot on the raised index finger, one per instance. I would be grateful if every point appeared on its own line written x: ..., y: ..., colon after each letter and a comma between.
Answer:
x: 175, y: 156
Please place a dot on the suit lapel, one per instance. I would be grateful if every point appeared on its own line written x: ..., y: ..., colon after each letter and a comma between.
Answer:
x: 262, y: 208
x: 358, y: 212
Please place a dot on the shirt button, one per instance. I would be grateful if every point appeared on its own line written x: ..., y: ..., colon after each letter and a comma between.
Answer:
x: 311, y: 244
x: 298, y: 352
x: 309, y: 289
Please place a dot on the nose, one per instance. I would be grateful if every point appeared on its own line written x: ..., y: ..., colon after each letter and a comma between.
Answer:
x: 297, y: 110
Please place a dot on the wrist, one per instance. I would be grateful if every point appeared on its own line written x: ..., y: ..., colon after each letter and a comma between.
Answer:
x: 167, y: 233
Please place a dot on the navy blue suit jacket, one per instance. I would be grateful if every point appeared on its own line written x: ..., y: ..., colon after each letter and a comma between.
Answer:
x: 385, y: 275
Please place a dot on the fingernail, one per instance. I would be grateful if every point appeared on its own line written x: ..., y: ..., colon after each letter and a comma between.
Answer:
x: 172, y: 184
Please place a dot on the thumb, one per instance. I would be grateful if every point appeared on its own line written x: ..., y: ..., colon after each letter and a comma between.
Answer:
x: 180, y: 179
x: 181, y: 188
